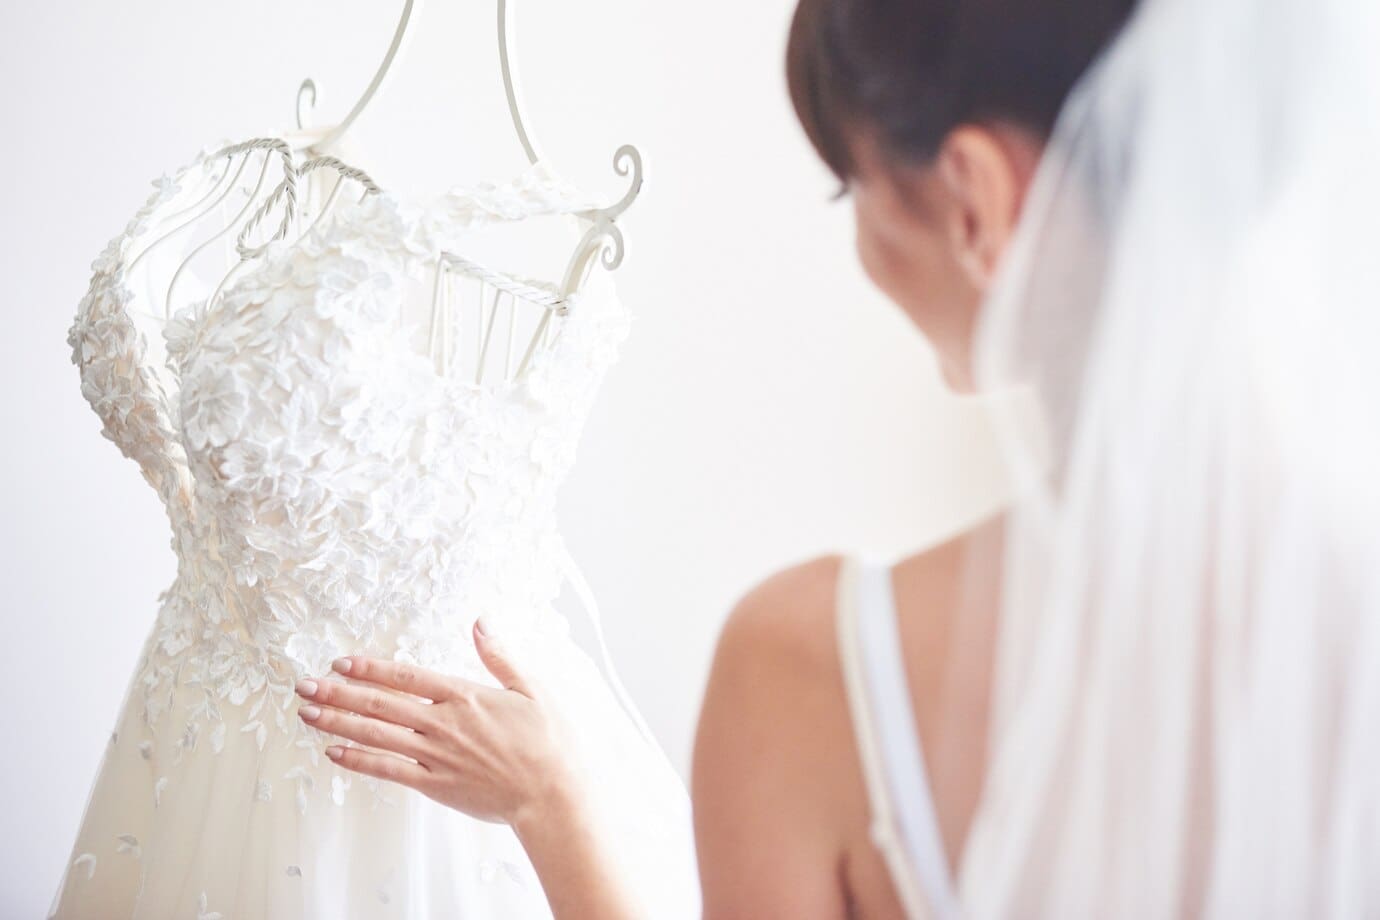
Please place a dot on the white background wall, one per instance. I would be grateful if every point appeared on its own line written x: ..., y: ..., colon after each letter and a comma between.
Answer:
x: 768, y: 406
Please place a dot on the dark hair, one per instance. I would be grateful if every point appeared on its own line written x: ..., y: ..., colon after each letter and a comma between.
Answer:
x: 913, y: 70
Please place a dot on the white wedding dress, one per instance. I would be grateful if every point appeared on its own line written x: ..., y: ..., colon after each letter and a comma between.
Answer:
x: 331, y: 493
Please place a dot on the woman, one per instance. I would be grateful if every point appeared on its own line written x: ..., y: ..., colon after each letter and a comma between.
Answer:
x: 935, y: 132
x: 1149, y: 688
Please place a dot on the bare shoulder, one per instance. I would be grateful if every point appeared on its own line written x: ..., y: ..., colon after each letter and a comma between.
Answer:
x: 775, y: 685
x: 764, y: 766
x: 787, y: 620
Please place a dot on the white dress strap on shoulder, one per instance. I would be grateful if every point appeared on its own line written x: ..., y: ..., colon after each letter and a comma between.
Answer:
x: 904, y: 825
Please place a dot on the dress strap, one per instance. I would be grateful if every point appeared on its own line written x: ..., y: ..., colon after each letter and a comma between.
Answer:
x: 904, y: 825
x: 591, y: 607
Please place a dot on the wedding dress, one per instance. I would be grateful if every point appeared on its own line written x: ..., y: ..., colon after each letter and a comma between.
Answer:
x: 331, y: 493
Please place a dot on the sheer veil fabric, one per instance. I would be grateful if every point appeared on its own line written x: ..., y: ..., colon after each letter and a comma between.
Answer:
x: 1186, y: 689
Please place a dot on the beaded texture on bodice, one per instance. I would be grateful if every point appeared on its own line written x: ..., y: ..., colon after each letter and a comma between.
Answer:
x: 330, y: 492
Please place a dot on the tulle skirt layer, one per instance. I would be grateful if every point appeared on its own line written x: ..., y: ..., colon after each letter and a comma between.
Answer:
x: 249, y: 832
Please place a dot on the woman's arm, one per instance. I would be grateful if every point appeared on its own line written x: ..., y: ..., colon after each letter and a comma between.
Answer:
x: 495, y: 754
x: 769, y: 760
x: 563, y: 841
x: 767, y: 765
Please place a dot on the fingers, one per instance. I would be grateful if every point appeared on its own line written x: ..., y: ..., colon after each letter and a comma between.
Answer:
x: 383, y: 735
x: 366, y: 701
x: 405, y: 677
x: 496, y: 658
x: 383, y: 766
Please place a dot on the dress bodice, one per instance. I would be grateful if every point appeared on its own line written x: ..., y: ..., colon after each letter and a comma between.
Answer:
x: 329, y: 491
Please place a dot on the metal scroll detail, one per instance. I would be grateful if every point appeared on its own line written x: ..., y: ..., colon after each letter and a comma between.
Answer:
x: 604, y: 238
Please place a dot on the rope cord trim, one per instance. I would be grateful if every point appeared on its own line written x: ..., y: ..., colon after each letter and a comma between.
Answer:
x: 536, y: 292
x: 285, y: 192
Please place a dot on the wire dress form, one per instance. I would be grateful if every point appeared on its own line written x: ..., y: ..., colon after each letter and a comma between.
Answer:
x: 351, y: 463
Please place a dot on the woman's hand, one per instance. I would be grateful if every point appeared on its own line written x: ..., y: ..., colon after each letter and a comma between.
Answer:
x: 495, y: 754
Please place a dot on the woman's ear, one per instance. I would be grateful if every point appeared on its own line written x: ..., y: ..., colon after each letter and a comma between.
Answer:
x: 986, y: 176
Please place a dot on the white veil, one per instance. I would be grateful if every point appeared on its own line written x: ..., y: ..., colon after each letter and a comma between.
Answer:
x: 1186, y: 695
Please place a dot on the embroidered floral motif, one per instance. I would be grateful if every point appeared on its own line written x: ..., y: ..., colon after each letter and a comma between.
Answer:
x: 86, y: 861
x: 203, y: 912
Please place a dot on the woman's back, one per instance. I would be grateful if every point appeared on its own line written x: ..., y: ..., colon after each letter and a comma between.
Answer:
x: 780, y: 783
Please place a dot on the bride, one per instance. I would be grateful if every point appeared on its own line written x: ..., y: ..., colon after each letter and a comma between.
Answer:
x: 1150, y: 686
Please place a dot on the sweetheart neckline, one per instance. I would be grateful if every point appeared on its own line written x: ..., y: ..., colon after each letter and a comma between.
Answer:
x: 413, y: 208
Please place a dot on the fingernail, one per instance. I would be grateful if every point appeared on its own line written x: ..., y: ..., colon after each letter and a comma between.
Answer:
x: 306, y: 687
x: 485, y: 628
x: 341, y: 665
x: 310, y: 713
x: 334, y: 752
